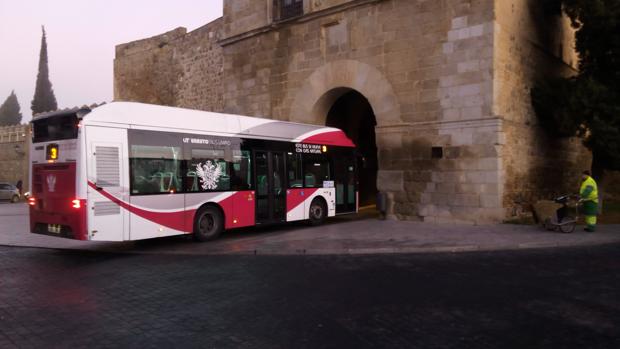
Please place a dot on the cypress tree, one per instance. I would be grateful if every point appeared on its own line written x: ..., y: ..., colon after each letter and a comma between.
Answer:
x: 44, y: 99
x: 10, y: 111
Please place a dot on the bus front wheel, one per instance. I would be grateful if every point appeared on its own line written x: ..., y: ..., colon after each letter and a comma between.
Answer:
x: 208, y: 224
x: 318, y: 212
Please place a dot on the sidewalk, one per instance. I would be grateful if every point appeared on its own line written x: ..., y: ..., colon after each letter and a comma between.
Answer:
x: 342, y: 235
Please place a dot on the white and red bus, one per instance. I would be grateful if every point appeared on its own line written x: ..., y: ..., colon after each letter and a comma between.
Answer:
x: 131, y: 171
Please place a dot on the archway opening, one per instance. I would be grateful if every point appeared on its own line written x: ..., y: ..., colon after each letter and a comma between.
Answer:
x: 352, y: 113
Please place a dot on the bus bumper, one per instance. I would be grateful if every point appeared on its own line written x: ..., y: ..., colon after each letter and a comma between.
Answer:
x: 70, y: 226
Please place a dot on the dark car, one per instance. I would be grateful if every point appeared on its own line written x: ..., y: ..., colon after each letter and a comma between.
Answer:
x: 9, y: 192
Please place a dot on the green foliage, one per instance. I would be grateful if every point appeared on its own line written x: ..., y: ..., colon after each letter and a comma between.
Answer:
x: 44, y: 99
x: 588, y: 105
x: 10, y: 111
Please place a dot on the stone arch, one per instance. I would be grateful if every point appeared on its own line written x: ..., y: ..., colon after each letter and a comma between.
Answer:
x: 316, y: 96
x: 334, y: 82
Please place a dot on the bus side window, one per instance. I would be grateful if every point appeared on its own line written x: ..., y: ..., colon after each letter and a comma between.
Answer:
x: 293, y: 169
x: 241, y: 174
x: 316, y: 170
x: 155, y: 169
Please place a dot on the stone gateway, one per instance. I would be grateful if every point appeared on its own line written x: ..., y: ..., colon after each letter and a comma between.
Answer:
x: 435, y: 93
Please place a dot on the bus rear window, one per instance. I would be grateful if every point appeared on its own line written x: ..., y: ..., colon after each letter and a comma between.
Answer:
x: 55, y: 128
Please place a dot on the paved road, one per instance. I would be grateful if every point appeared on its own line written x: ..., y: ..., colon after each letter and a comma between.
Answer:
x: 559, y: 298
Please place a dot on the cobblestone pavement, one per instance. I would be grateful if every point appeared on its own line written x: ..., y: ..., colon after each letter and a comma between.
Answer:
x: 555, y: 298
x: 361, y: 234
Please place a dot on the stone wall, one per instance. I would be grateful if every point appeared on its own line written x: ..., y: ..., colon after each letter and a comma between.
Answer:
x: 450, y: 75
x: 14, y: 150
x: 176, y: 68
x: 531, y: 44
x: 425, y: 67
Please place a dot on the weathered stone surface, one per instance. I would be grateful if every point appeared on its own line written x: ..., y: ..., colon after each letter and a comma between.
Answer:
x: 175, y: 68
x: 390, y: 181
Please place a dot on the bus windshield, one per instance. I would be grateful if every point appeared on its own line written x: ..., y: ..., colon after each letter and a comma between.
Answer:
x: 55, y: 128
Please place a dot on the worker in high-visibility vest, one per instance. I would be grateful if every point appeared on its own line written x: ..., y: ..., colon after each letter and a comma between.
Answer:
x: 589, y: 197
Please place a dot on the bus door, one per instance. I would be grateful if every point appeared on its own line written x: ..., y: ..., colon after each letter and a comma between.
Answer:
x: 344, y: 180
x: 107, y: 185
x: 270, y: 187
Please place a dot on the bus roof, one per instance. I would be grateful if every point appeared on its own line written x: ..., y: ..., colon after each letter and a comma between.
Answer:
x: 148, y: 116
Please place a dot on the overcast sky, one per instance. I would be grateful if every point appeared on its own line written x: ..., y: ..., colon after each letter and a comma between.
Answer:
x: 81, y: 36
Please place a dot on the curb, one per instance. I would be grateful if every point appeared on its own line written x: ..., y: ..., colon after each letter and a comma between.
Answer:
x: 339, y: 252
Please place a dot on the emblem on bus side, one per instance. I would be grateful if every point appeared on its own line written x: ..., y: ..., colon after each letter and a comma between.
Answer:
x: 209, y: 174
x: 51, y: 183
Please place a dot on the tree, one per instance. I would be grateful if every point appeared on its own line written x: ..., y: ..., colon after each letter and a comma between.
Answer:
x: 10, y: 111
x: 588, y: 104
x: 44, y: 99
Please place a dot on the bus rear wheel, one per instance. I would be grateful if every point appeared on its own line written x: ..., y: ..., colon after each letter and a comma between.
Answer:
x: 318, y: 212
x: 208, y: 224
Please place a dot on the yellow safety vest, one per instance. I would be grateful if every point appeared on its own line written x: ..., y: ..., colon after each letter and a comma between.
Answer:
x: 593, y: 196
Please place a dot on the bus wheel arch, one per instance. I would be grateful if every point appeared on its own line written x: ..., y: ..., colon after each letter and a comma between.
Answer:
x: 318, y: 210
x: 209, y: 222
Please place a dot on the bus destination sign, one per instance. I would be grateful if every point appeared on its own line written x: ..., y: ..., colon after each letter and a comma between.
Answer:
x: 310, y: 148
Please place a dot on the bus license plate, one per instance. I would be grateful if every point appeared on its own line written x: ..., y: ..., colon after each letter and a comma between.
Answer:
x: 53, y: 228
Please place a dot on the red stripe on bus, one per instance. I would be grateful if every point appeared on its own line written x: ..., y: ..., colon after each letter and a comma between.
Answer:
x: 242, y: 216
x: 296, y: 197
x: 337, y: 138
x: 172, y: 220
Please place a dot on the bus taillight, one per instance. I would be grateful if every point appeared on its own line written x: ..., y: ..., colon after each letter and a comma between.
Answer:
x: 76, y: 203
x: 32, y: 201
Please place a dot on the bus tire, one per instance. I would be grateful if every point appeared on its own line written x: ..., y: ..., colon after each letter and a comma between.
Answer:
x: 208, y: 224
x: 318, y: 211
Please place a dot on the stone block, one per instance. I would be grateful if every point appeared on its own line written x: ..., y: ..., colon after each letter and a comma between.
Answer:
x: 448, y: 47
x: 461, y: 139
x: 459, y: 22
x: 467, y: 200
x: 454, y: 177
x: 477, y: 30
x: 426, y: 198
x: 446, y: 188
x: 471, y: 113
x: 390, y: 181
x: 490, y: 201
x: 452, y: 152
x: 440, y: 199
x: 426, y: 210
x: 469, y: 66
x: 468, y: 188
x: 489, y: 164
x: 451, y: 114
x: 490, y: 189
